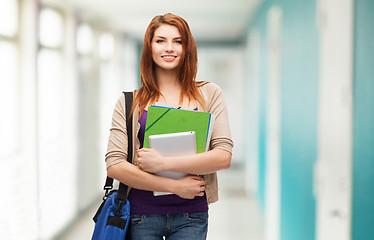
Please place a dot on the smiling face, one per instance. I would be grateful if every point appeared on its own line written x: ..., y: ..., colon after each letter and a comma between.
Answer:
x: 167, y: 47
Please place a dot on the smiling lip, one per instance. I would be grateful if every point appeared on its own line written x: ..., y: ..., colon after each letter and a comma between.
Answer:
x: 169, y: 58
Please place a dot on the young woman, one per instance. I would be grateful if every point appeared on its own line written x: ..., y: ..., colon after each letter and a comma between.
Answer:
x: 168, y: 69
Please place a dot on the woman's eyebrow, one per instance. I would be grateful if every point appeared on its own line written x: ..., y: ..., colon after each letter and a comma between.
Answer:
x: 165, y: 37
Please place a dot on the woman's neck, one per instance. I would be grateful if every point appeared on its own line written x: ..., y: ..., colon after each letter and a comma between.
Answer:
x: 167, y: 80
x: 169, y: 86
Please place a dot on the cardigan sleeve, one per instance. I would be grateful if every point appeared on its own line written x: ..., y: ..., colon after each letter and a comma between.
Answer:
x: 117, y: 144
x: 221, y: 135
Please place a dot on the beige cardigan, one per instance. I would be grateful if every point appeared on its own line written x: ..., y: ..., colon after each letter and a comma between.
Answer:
x: 221, y: 136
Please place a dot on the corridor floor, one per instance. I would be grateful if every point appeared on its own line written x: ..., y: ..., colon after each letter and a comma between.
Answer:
x: 235, y: 216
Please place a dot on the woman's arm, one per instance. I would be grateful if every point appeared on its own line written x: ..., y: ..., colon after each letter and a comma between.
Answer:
x: 202, y: 163
x: 129, y: 174
x: 121, y: 170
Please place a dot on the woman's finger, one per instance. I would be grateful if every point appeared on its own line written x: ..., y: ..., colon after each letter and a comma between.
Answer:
x: 144, y: 150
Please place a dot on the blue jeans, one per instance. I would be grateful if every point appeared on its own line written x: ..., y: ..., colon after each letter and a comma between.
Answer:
x: 184, y: 226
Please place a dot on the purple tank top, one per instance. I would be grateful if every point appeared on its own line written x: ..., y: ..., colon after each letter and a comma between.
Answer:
x: 144, y: 203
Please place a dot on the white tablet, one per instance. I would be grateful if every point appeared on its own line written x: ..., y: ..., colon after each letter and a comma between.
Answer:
x: 173, y: 145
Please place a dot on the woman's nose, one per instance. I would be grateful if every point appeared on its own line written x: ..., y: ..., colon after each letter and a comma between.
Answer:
x: 168, y: 47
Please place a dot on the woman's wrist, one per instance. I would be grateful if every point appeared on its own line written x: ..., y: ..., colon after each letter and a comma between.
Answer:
x: 165, y: 164
x: 172, y: 186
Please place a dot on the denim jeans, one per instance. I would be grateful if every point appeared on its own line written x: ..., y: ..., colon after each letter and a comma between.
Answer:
x: 184, y: 226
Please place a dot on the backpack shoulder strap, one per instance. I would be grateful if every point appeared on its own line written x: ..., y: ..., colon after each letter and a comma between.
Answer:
x: 122, y: 192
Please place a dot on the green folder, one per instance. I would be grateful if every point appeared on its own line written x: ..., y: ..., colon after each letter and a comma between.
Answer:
x: 162, y: 120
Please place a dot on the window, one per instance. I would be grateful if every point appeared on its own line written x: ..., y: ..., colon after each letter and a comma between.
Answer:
x: 9, y: 18
x: 85, y: 40
x: 55, y: 161
x: 106, y: 46
x: 9, y: 84
x: 50, y: 79
x: 51, y: 28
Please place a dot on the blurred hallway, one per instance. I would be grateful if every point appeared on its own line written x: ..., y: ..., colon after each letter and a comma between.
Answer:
x: 235, y: 216
x: 297, y: 79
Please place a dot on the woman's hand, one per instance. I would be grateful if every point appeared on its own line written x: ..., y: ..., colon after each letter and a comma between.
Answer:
x: 190, y: 186
x: 150, y: 160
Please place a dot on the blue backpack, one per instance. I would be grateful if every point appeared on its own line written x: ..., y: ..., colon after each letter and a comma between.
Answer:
x: 113, y: 219
x: 113, y: 216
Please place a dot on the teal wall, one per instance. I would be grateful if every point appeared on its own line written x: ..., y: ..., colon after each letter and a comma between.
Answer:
x: 363, y: 118
x: 299, y: 119
x: 260, y: 25
x: 299, y: 98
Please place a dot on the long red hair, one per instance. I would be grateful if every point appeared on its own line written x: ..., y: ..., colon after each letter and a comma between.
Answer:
x: 149, y: 91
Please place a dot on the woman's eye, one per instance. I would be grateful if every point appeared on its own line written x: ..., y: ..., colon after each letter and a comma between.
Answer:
x: 159, y: 41
x: 178, y: 41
